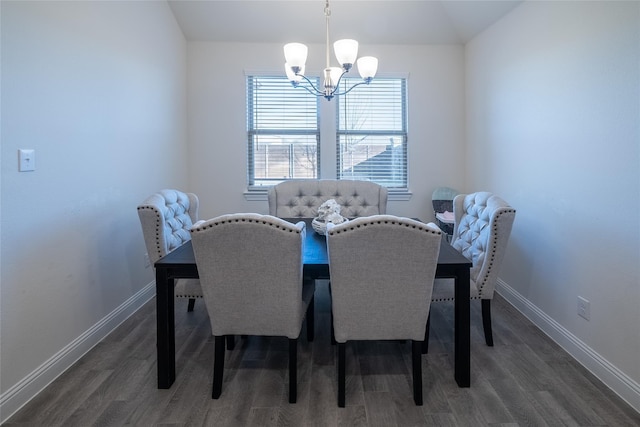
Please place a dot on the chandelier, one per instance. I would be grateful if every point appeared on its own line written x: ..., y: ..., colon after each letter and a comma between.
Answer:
x: 346, y: 51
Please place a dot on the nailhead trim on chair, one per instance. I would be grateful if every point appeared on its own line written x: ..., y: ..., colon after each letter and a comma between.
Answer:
x: 158, y: 244
x: 493, y: 249
x: 385, y: 221
x: 491, y: 261
x: 169, y: 213
x: 228, y: 221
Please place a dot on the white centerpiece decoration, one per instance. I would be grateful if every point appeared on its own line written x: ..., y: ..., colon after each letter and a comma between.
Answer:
x: 328, y: 212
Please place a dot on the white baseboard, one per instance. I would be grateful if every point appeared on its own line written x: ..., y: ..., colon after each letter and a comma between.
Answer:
x: 611, y: 376
x: 26, y: 389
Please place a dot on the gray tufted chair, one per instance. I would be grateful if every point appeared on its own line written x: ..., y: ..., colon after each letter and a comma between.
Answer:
x: 250, y: 267
x: 166, y: 218
x: 482, y: 228
x: 382, y: 271
x: 302, y: 198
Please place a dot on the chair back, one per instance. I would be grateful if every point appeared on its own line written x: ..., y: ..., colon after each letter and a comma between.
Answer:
x: 382, y: 270
x: 481, y: 233
x: 166, y: 218
x: 250, y: 269
x: 442, y: 199
x: 302, y: 198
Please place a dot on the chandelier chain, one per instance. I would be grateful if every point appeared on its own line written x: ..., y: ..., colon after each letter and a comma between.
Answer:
x: 327, y: 14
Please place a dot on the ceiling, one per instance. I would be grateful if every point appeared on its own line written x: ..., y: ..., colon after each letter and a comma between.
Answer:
x: 372, y: 21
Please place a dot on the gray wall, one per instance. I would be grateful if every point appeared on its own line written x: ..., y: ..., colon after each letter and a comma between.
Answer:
x: 218, y: 130
x: 98, y: 89
x: 553, y: 125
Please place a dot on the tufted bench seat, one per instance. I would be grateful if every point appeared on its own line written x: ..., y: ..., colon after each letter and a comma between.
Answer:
x: 302, y: 198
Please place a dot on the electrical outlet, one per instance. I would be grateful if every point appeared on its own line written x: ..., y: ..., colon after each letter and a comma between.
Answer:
x: 584, y: 308
x: 147, y: 261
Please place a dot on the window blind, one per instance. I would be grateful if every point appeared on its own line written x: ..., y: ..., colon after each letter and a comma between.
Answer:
x: 371, y: 139
x: 283, y: 132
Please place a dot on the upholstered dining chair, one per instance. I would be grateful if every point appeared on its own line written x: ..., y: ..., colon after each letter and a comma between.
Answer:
x: 166, y: 218
x: 302, y: 198
x: 382, y: 270
x: 483, y: 223
x: 250, y: 268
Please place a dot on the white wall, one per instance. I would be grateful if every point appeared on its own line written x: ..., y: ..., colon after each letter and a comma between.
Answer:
x: 553, y: 124
x: 218, y: 132
x: 98, y: 89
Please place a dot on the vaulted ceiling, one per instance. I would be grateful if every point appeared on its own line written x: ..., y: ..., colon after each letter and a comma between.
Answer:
x: 373, y: 21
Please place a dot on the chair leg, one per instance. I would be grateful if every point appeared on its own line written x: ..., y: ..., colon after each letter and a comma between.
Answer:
x: 416, y: 353
x: 231, y: 342
x: 425, y: 343
x: 310, y: 320
x: 486, y: 321
x: 218, y: 366
x: 341, y: 374
x: 333, y: 335
x: 293, y: 370
x: 192, y: 302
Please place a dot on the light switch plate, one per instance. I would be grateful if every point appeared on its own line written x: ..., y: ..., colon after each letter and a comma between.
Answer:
x: 27, y: 160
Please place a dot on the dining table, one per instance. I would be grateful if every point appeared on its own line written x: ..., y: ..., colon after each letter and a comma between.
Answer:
x: 181, y: 263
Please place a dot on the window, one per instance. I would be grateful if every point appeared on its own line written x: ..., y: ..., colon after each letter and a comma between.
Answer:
x: 372, y: 132
x: 283, y: 132
x: 283, y: 129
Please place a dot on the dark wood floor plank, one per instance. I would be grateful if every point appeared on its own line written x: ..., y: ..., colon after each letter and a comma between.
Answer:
x: 406, y: 413
x: 434, y: 397
x: 113, y: 413
x: 530, y: 372
x: 146, y: 407
x: 263, y: 417
x: 380, y: 409
x: 295, y: 415
x: 518, y: 402
x: 464, y: 410
x: 354, y: 385
x: 97, y: 402
x: 75, y: 386
x: 353, y: 416
x: 323, y: 397
x: 371, y: 363
x: 490, y: 405
x: 188, y: 399
x: 592, y: 396
x: 271, y: 384
x: 525, y: 379
x: 551, y: 410
x: 440, y: 420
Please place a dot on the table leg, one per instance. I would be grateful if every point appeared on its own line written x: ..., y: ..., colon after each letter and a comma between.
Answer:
x: 166, y: 329
x: 462, y: 350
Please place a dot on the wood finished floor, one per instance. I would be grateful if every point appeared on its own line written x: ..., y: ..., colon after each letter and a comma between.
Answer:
x: 525, y: 379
